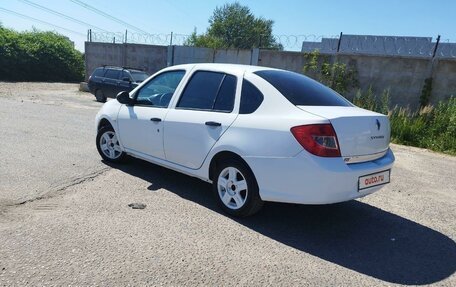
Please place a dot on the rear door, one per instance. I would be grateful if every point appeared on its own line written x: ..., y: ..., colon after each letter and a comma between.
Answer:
x: 202, y: 114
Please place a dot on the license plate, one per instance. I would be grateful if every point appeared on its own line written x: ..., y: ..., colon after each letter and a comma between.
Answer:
x: 374, y: 179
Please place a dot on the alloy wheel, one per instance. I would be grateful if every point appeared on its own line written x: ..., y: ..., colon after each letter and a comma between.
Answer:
x: 109, y: 145
x: 232, y: 188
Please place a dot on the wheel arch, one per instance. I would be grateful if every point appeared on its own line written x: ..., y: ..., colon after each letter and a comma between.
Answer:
x: 104, y: 122
x: 223, y: 155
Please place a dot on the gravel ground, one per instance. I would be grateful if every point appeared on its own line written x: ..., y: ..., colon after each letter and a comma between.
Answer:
x: 65, y: 219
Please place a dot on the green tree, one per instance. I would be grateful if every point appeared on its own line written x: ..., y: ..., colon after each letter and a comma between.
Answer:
x: 38, y: 56
x: 235, y: 26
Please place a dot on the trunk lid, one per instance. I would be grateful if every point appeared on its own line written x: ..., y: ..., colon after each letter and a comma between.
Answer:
x: 359, y: 132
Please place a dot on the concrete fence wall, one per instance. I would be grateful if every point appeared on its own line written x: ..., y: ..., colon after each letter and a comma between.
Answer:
x: 403, y: 76
x: 185, y: 55
x: 147, y: 57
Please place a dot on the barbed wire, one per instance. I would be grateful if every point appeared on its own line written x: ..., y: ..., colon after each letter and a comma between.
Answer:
x: 352, y: 44
x: 384, y: 45
x: 286, y: 41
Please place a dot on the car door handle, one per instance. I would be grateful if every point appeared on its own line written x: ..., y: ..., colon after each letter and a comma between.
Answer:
x: 156, y: 120
x: 213, y: 124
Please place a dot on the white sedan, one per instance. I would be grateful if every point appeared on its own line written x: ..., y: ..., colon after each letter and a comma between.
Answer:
x: 257, y: 134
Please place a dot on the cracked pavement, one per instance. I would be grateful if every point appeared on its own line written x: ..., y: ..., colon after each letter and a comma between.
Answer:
x: 65, y: 219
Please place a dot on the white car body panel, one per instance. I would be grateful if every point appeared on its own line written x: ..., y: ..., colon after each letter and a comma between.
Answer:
x: 150, y: 140
x: 356, y: 129
x: 188, y: 140
x: 284, y: 170
x: 311, y: 179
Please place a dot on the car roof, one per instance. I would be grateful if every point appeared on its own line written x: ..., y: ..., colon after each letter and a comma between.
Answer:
x: 234, y: 68
x: 121, y: 68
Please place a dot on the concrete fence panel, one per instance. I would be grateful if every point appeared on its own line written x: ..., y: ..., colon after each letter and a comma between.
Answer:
x: 292, y: 61
x: 403, y: 76
x: 233, y: 56
x: 146, y: 57
x: 186, y: 55
x: 444, y: 80
x: 99, y: 54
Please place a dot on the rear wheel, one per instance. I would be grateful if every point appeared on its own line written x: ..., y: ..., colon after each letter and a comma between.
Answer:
x: 108, y: 145
x: 99, y: 95
x: 236, y: 189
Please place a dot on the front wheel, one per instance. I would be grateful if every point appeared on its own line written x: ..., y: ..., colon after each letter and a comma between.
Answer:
x: 108, y: 145
x: 236, y: 189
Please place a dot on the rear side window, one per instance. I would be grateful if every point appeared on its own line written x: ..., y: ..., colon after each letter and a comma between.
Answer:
x: 301, y: 90
x: 209, y: 91
x: 99, y: 72
x: 113, y: 74
x: 251, y: 98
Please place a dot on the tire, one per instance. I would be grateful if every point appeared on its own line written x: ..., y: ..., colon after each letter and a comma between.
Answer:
x: 236, y: 189
x: 99, y: 95
x: 108, y: 145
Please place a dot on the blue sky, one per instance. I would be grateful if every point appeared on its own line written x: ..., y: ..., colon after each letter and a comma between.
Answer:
x: 319, y: 18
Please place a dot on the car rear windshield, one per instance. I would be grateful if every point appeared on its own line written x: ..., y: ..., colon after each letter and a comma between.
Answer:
x: 138, y: 76
x: 99, y: 72
x: 301, y: 90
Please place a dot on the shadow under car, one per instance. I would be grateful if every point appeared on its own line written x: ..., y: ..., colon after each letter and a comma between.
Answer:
x: 353, y: 234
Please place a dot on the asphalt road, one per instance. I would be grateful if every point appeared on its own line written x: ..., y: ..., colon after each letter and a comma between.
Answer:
x: 65, y: 220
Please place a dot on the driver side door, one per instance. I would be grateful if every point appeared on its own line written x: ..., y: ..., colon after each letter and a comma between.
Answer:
x: 141, y: 125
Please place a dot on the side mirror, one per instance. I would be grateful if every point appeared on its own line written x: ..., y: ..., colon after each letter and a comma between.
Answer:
x: 126, y: 79
x: 124, y: 98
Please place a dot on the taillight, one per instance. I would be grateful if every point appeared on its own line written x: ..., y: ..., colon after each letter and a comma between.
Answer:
x: 319, y: 139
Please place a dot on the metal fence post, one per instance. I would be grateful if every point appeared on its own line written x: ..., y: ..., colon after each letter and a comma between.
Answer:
x: 126, y: 35
x: 338, y: 43
x: 436, y: 46
x: 171, y: 40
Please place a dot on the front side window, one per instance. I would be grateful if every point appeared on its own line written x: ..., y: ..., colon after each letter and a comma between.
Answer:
x: 159, y: 91
x: 210, y: 91
x: 113, y: 74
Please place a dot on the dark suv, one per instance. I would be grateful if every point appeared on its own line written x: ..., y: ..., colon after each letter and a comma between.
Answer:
x: 108, y: 81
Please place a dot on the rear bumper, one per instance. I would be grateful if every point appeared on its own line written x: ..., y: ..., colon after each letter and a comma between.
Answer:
x: 309, y: 179
x: 91, y: 88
